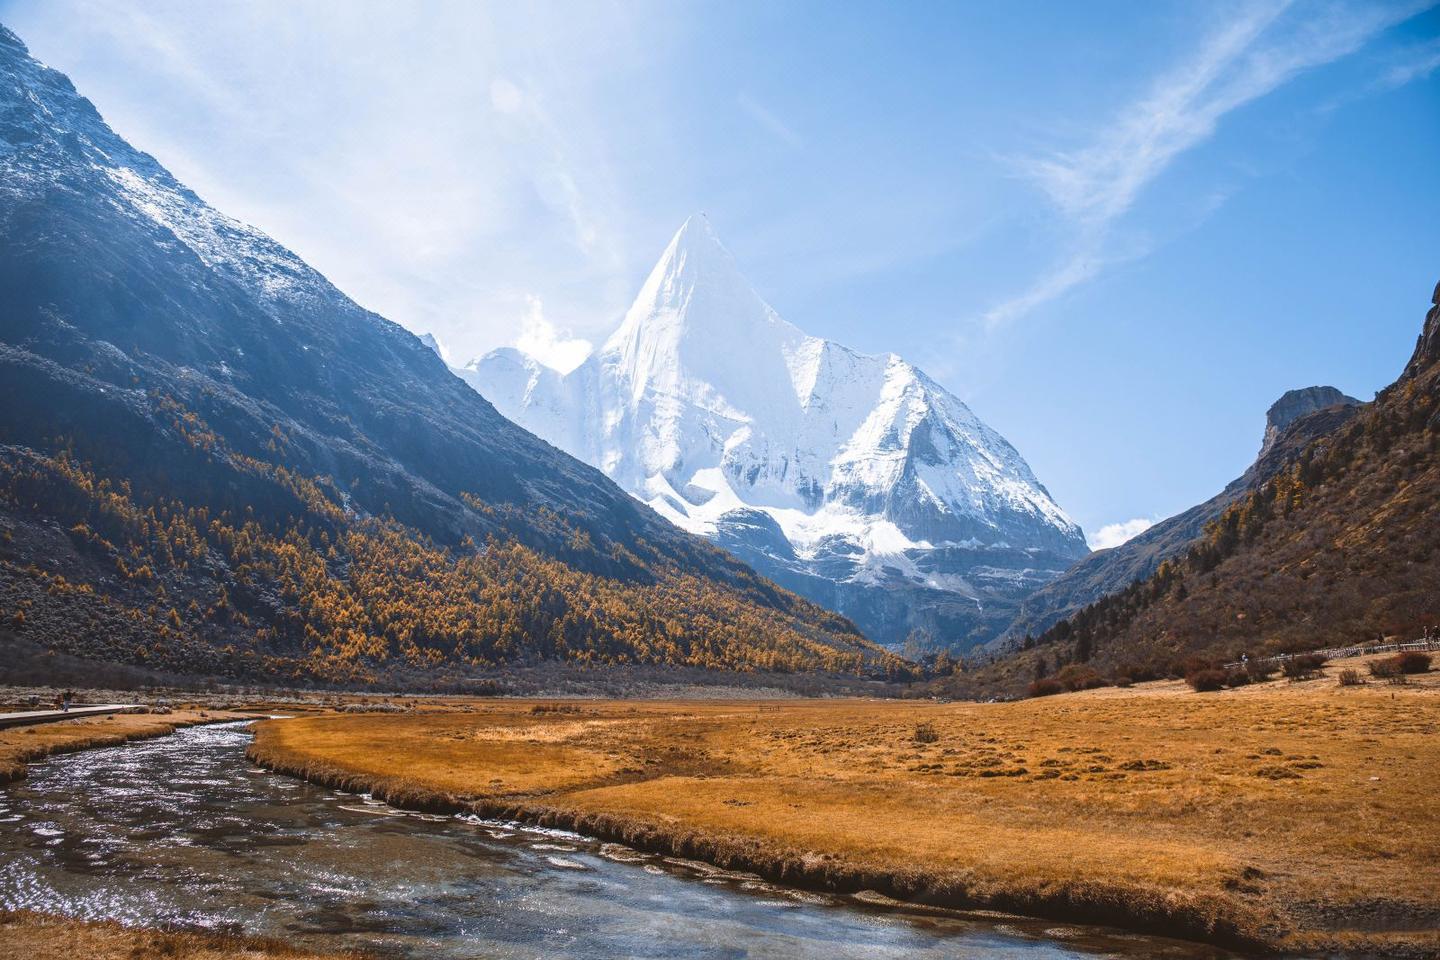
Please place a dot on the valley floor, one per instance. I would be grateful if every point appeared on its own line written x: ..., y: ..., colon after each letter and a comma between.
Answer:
x: 1300, y: 817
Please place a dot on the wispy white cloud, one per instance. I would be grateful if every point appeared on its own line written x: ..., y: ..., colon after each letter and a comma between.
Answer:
x: 1099, y: 182
x: 545, y: 342
x: 1417, y: 63
x: 767, y: 119
x: 1114, y: 534
x: 1069, y: 273
x: 1092, y: 188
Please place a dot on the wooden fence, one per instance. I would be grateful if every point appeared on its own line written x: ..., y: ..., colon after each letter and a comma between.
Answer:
x: 1359, y: 650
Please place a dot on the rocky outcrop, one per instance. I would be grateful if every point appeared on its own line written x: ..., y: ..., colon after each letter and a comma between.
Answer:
x: 1427, y: 346
x: 1295, y: 404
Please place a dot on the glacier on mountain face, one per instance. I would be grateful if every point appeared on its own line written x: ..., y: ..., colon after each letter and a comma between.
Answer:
x: 855, y: 480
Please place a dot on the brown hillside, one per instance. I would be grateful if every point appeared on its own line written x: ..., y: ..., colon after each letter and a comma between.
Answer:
x: 1338, y: 547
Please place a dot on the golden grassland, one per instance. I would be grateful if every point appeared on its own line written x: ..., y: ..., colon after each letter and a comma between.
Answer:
x: 1278, y: 816
x: 22, y: 745
x: 36, y: 936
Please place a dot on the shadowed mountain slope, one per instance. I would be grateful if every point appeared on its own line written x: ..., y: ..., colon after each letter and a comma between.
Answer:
x: 215, y: 460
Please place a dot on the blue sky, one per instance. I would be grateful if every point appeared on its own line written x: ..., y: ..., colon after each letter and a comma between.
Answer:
x: 1118, y: 230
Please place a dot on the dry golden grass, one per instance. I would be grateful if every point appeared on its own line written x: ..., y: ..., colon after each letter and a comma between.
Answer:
x: 1302, y: 816
x: 36, y: 936
x: 21, y: 745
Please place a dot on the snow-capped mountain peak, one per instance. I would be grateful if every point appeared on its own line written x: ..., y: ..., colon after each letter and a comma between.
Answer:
x: 681, y: 332
x: 857, y: 472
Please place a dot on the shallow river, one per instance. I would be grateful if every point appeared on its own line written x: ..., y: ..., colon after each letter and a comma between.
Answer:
x: 182, y: 829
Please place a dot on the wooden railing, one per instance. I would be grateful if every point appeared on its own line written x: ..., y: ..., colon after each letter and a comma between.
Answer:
x: 1339, y: 653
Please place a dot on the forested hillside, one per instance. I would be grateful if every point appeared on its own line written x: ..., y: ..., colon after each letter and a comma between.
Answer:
x: 316, y: 593
x: 1341, y: 545
x: 1106, y: 571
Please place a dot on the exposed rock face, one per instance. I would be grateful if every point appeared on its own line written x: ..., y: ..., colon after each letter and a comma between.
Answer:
x: 857, y: 480
x: 1295, y: 404
x: 1427, y: 347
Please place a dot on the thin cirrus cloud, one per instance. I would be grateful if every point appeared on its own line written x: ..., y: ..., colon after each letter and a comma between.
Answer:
x: 768, y: 120
x: 1093, y: 188
x: 1422, y: 60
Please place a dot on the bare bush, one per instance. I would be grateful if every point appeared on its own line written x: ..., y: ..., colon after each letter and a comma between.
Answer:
x: 1207, y: 680
x: 1045, y: 687
x: 1304, y: 666
x: 1412, y: 661
x: 1079, y: 676
x: 1259, y: 671
x: 926, y: 733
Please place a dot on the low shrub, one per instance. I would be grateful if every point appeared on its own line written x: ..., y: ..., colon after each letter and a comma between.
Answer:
x: 1045, y: 687
x: 1236, y: 678
x: 1078, y: 676
x: 1384, y: 668
x: 1124, y: 681
x: 1412, y: 661
x: 1259, y: 672
x: 1397, y: 667
x: 926, y: 733
x: 1138, y: 673
x: 1193, y: 665
x: 1350, y: 678
x: 1304, y: 666
x: 1207, y: 680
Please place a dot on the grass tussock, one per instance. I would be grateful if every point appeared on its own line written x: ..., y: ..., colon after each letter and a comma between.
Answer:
x: 1235, y: 817
x: 26, y: 935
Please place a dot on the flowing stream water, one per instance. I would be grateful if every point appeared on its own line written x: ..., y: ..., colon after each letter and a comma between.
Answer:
x: 183, y: 830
